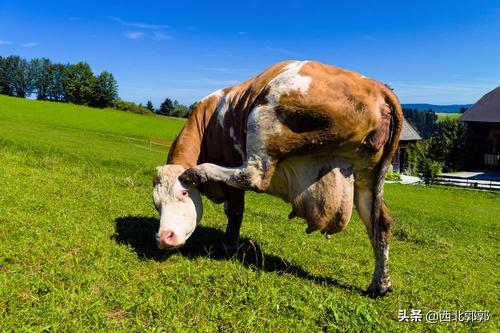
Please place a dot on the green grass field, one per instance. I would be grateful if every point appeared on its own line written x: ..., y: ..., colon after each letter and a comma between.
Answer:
x: 77, y: 251
x: 442, y: 116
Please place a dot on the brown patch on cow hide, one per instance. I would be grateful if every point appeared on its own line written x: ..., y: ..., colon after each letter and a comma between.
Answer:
x: 337, y: 114
x: 299, y: 120
x: 385, y: 222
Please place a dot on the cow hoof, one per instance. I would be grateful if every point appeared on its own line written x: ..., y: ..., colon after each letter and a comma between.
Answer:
x: 378, y: 290
x: 230, y: 249
x: 193, y: 176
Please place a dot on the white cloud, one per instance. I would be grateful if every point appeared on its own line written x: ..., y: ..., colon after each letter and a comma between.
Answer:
x: 243, y: 33
x: 144, y: 30
x: 208, y: 82
x: 219, y: 69
x: 160, y: 35
x: 279, y: 50
x: 140, y: 25
x: 31, y: 44
x: 5, y: 42
x: 228, y: 70
x: 134, y: 34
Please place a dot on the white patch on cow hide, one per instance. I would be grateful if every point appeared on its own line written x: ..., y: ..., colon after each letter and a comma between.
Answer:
x: 218, y: 93
x: 262, y: 121
x: 222, y: 108
x: 288, y: 80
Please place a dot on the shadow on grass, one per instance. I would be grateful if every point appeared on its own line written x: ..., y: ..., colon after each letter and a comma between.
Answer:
x: 138, y: 232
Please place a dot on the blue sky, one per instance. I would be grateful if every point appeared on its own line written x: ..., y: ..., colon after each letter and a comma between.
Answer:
x: 439, y: 52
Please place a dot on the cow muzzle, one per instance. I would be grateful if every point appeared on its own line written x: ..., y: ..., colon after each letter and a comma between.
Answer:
x: 168, y: 240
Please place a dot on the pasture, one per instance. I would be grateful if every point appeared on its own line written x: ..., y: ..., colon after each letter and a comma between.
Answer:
x: 443, y: 115
x: 77, y: 250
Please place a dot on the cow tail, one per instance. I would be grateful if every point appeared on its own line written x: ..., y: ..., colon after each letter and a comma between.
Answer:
x: 380, y: 216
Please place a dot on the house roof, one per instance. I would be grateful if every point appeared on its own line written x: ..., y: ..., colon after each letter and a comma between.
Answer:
x: 487, y: 109
x: 408, y: 133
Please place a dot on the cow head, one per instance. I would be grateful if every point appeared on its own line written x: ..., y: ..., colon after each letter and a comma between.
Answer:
x: 179, y: 205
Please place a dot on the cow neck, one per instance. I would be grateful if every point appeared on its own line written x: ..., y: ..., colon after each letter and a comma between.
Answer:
x: 186, y: 149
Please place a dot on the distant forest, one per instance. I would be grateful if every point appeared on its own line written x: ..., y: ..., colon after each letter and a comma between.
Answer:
x: 424, y: 121
x: 72, y: 83
x: 451, y: 108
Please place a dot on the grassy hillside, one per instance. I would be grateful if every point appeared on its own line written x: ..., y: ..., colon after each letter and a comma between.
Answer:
x: 443, y: 116
x: 77, y: 253
x: 80, y: 130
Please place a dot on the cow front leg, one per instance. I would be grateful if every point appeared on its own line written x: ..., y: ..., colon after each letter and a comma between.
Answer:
x: 233, y: 207
x: 379, y: 233
x: 252, y: 176
x: 207, y: 172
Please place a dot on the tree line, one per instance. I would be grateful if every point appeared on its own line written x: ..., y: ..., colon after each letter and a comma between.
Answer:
x: 171, y: 108
x: 73, y: 83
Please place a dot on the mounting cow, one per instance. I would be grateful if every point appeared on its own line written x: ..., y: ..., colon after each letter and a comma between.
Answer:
x: 318, y: 136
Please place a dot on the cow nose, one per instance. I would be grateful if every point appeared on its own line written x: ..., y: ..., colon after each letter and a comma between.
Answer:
x: 167, y: 239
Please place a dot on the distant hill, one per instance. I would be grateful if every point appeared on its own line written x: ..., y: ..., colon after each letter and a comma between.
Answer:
x: 452, y: 108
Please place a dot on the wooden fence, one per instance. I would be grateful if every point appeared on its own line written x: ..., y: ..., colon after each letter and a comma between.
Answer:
x: 153, y: 141
x: 466, y: 182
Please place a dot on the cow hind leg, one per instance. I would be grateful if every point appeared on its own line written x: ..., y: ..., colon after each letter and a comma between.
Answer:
x: 379, y: 230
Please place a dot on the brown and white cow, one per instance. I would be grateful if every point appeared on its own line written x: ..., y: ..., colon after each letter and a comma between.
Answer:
x: 318, y: 136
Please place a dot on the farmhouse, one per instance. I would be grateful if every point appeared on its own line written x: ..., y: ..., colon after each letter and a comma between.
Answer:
x: 483, y: 131
x: 408, y: 135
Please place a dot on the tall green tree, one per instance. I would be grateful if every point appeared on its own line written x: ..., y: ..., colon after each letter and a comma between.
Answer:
x: 16, y: 77
x: 41, y: 76
x: 448, y: 144
x: 104, y: 90
x: 4, y: 82
x: 150, y: 107
x: 7, y: 75
x: 78, y: 83
x: 180, y: 111
x: 166, y: 107
x: 421, y: 160
x: 56, y: 90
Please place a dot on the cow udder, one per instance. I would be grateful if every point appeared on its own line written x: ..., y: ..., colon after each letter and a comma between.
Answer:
x: 326, y: 204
